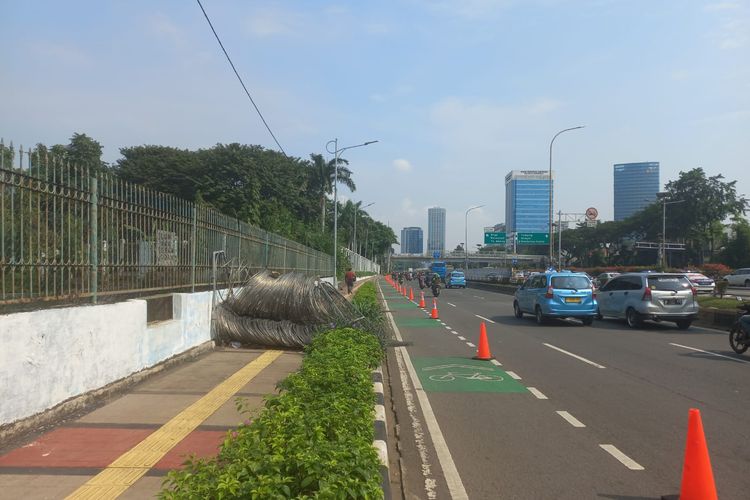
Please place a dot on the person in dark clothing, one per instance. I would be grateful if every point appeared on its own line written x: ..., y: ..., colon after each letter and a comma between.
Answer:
x: 350, y: 278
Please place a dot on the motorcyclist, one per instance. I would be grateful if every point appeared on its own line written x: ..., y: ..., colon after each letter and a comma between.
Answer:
x: 435, y: 280
x: 421, y: 279
x: 400, y: 278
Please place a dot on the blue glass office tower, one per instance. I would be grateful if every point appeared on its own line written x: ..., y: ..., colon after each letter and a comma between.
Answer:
x: 527, y: 201
x: 436, y: 230
x: 411, y: 240
x: 636, y: 185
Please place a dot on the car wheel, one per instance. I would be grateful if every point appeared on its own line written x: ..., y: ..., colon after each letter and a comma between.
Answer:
x: 599, y: 314
x: 587, y: 321
x: 517, y: 312
x: 540, y: 319
x: 633, y: 318
x: 684, y: 324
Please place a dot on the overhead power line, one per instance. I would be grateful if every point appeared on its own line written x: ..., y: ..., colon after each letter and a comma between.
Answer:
x: 240, y: 78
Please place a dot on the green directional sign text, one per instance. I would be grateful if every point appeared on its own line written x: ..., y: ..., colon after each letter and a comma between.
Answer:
x: 494, y: 238
x: 532, y: 238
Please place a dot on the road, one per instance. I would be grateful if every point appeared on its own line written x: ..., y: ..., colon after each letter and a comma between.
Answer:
x: 739, y: 291
x: 601, y: 403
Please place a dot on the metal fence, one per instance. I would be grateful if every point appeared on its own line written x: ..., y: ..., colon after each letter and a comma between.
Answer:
x: 360, y: 263
x: 68, y: 231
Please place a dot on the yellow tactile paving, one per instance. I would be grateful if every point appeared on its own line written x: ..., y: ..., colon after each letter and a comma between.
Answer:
x: 134, y: 463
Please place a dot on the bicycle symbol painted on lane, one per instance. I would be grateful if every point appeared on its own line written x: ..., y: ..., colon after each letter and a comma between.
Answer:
x: 473, y: 373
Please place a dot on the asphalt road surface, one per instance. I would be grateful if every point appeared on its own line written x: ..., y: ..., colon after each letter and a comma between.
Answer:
x: 601, y: 411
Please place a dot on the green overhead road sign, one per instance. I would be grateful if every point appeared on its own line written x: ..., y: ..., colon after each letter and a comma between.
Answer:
x: 532, y: 238
x: 494, y: 238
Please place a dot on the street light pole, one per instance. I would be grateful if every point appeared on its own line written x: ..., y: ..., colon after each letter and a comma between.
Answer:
x: 551, y: 238
x: 335, y: 154
x: 663, y: 257
x: 354, y: 244
x: 466, y: 236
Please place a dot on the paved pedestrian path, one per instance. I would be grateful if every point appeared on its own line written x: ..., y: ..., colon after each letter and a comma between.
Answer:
x: 127, y: 445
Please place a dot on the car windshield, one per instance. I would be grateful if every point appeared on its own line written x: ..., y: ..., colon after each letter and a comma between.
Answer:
x: 668, y: 283
x: 458, y: 275
x: 570, y: 282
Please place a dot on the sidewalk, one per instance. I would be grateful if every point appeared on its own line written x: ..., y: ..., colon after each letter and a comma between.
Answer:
x: 127, y: 445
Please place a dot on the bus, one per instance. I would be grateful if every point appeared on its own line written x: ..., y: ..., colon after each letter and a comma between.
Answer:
x: 439, y: 267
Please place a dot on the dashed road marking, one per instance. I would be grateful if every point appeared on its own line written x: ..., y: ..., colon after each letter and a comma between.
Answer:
x: 461, y: 337
x: 571, y: 419
x: 454, y: 332
x: 580, y: 358
x: 709, y: 352
x: 447, y: 327
x: 623, y: 458
x: 513, y: 375
x: 452, y: 305
x: 495, y: 362
x: 486, y: 319
x: 536, y: 392
x: 470, y: 344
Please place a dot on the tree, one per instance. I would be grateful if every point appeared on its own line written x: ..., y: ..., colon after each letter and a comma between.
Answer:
x: 321, y: 179
x: 736, y: 253
x: 708, y: 200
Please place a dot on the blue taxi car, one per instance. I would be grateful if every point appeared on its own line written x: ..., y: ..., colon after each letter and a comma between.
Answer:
x: 556, y: 294
x: 455, y: 279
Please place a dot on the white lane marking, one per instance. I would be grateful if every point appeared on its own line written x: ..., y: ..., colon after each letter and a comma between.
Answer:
x: 447, y: 327
x: 495, y: 362
x: 513, y: 375
x: 454, y: 332
x: 441, y: 322
x: 461, y: 337
x: 709, y: 352
x: 477, y: 297
x: 486, y: 319
x: 580, y: 358
x: 571, y: 419
x: 450, y: 472
x: 536, y: 392
x: 470, y: 344
x: 452, y: 305
x: 623, y: 458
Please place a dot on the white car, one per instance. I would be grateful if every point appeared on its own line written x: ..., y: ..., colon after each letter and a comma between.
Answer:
x: 740, y: 277
x: 701, y: 282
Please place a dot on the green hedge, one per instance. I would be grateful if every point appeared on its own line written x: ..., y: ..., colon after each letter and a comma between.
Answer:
x: 314, y: 440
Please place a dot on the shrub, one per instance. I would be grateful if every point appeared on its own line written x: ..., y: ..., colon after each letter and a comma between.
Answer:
x: 716, y: 271
x: 721, y: 287
x: 314, y: 440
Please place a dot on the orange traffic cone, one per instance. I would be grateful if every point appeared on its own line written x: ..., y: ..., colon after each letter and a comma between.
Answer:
x: 421, y: 300
x: 411, y: 293
x: 434, y: 313
x: 403, y: 291
x: 483, y: 351
x: 697, y: 476
x: 398, y: 288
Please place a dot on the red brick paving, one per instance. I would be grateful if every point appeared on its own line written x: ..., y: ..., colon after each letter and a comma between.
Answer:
x: 201, y: 443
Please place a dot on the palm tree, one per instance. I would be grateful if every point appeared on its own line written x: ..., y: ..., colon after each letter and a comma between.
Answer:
x: 322, y: 175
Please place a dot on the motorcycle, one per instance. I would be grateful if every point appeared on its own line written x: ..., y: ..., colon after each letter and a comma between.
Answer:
x: 739, y: 334
x: 435, y: 289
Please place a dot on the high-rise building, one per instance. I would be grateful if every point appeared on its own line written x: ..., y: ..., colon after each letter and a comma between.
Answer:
x: 411, y: 240
x: 436, y: 230
x: 636, y: 185
x: 527, y: 201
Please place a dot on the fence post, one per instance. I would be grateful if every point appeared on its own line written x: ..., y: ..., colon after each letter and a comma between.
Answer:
x: 94, y: 241
x: 266, y: 258
x: 193, y: 248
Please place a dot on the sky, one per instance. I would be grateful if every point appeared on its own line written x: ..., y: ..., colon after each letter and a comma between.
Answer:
x: 457, y: 93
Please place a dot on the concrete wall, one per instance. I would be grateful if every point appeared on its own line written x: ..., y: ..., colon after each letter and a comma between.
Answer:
x: 49, y: 356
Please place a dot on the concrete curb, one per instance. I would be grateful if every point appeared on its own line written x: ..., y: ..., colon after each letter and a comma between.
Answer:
x: 52, y: 416
x: 381, y: 431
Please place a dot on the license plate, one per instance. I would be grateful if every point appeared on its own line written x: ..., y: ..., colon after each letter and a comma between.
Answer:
x: 575, y: 300
x: 672, y: 302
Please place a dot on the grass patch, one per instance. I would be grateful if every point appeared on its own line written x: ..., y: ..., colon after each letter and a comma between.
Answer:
x: 719, y: 303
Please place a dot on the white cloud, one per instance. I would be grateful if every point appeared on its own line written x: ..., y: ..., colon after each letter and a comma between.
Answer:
x: 407, y: 207
x: 402, y: 165
x: 542, y: 106
x: 65, y: 55
x: 162, y: 26
x: 275, y: 22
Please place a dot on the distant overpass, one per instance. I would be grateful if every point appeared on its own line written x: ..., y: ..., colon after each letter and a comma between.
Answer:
x: 477, y: 259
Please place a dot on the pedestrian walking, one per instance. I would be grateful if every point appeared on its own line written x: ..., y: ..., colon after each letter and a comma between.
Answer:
x: 350, y: 278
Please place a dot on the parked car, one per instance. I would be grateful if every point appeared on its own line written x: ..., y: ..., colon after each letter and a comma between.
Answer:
x: 556, y: 294
x: 649, y: 296
x: 455, y: 279
x: 701, y: 282
x: 740, y: 277
x: 603, y: 278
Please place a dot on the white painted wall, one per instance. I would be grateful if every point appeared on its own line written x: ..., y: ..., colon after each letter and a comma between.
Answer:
x: 51, y: 355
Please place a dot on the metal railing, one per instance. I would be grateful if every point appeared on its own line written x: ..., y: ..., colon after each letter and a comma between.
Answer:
x: 68, y: 231
x: 360, y: 263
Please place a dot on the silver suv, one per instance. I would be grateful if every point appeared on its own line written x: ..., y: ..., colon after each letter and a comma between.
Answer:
x: 655, y: 296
